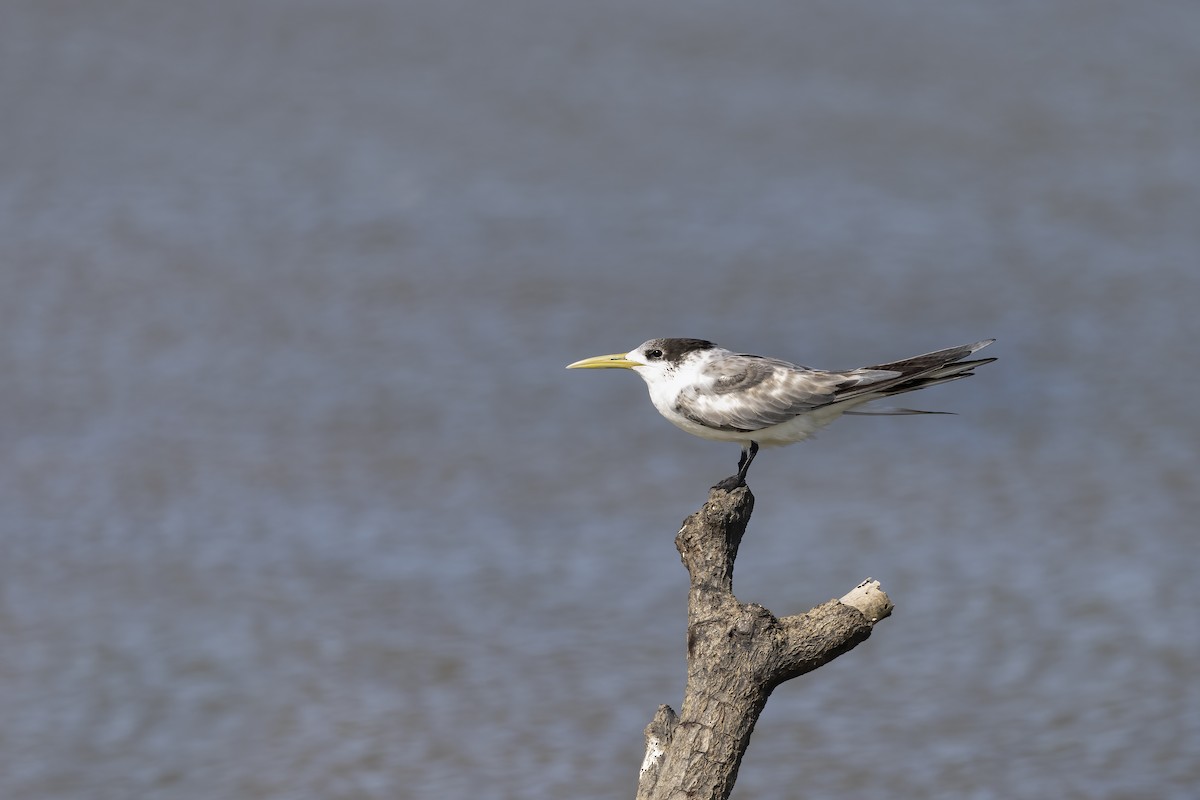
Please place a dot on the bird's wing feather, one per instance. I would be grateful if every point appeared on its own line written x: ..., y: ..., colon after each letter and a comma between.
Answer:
x: 918, y: 372
x: 749, y: 393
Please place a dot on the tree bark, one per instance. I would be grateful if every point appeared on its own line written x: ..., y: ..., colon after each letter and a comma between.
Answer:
x: 737, y: 654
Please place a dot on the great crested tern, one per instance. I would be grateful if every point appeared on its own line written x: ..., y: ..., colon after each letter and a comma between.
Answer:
x: 718, y: 394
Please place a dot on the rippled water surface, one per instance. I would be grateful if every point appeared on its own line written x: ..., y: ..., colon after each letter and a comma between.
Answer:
x: 300, y: 503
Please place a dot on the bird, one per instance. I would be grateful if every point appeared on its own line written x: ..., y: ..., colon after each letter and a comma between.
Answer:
x: 722, y: 395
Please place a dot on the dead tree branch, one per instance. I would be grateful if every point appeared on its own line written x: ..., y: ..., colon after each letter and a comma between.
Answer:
x: 737, y: 654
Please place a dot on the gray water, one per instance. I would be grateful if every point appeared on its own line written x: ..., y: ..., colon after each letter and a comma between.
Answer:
x: 299, y: 501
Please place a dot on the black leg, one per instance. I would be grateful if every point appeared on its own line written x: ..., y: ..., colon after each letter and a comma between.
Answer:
x: 745, y: 461
x: 734, y: 481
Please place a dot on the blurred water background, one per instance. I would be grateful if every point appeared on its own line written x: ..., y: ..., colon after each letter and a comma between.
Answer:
x: 299, y: 501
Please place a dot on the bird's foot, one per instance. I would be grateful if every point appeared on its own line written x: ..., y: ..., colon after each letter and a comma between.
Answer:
x: 734, y: 481
x: 731, y: 483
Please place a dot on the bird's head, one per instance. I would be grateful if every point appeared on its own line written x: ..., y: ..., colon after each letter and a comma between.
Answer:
x: 649, y: 359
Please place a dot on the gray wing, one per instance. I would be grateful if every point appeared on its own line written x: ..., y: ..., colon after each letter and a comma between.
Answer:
x: 749, y: 393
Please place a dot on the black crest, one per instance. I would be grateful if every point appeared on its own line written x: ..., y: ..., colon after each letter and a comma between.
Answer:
x: 673, y: 350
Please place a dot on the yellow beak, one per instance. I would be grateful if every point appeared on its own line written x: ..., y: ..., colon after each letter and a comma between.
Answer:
x: 614, y: 361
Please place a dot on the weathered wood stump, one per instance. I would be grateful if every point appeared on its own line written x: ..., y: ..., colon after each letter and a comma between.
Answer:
x: 737, y: 654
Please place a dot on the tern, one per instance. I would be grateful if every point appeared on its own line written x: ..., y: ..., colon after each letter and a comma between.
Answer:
x: 756, y: 401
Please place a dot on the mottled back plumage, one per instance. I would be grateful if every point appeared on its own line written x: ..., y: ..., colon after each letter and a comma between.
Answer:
x: 747, y: 393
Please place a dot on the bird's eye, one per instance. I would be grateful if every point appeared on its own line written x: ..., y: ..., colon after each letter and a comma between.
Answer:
x: 654, y: 355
